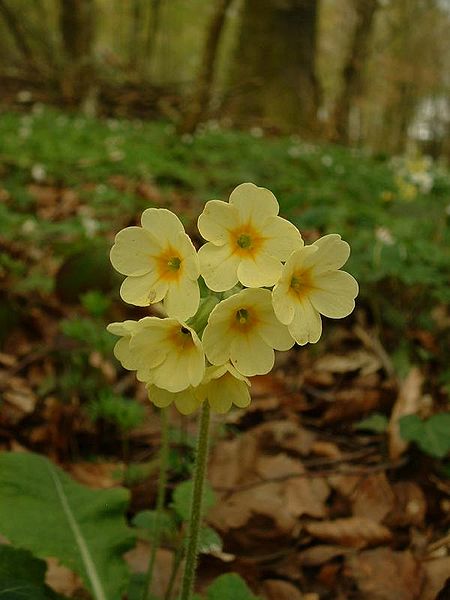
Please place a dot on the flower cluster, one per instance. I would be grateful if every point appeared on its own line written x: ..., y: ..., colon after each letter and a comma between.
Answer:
x: 265, y: 290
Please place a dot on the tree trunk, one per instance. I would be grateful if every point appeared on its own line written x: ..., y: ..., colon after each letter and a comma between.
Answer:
x: 353, y: 72
x: 152, y: 32
x: 14, y: 26
x: 77, y: 25
x: 201, y: 96
x: 274, y: 80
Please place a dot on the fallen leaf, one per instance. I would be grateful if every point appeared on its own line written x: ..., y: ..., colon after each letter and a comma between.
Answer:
x: 352, y: 403
x: 98, y: 475
x: 437, y: 571
x: 407, y: 403
x: 410, y: 505
x: 318, y: 555
x: 373, y: 497
x: 277, y: 589
x: 61, y: 579
x: 383, y: 574
x: 356, y: 532
x: 358, y: 360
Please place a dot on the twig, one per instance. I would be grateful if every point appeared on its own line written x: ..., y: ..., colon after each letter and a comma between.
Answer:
x: 374, y: 344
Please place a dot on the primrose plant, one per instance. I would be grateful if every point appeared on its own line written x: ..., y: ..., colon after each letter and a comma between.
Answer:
x: 264, y: 290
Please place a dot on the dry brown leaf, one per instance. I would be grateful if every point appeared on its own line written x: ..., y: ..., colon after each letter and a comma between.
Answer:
x: 410, y: 505
x: 97, y: 475
x: 61, y: 579
x: 373, y: 497
x: 285, y: 435
x: 436, y: 572
x: 356, y: 532
x: 318, y: 555
x: 407, y: 403
x: 383, y: 574
x: 358, y: 360
x: 233, y: 461
x: 277, y: 589
x: 352, y: 403
x: 137, y: 560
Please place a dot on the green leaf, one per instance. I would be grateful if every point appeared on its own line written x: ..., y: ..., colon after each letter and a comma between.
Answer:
x: 147, y: 520
x: 209, y: 541
x: 432, y: 435
x: 23, y: 576
x: 182, y: 497
x: 55, y: 516
x: 229, y: 586
x: 377, y: 423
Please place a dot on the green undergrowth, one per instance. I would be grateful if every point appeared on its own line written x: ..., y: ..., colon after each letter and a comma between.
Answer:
x: 395, y: 214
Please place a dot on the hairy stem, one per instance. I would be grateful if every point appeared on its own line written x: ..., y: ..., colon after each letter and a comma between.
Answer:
x: 162, y: 480
x: 196, y: 506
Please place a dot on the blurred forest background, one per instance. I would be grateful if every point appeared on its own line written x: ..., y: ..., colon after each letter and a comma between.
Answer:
x: 340, y: 466
x: 366, y: 72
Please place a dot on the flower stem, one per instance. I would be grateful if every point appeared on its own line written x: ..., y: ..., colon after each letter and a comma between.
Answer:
x: 162, y: 480
x: 196, y: 506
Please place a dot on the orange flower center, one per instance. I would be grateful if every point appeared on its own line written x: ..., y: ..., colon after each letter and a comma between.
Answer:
x: 244, y: 320
x: 246, y: 241
x: 181, y: 337
x: 301, y: 283
x: 169, y: 265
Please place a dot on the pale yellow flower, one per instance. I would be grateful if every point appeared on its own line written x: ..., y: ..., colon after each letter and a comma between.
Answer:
x: 246, y: 239
x: 222, y: 387
x: 311, y: 285
x: 160, y: 263
x: 186, y: 401
x: 163, y: 352
x: 245, y: 330
x: 122, y: 348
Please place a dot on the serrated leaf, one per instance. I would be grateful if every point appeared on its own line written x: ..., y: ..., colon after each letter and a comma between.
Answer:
x: 377, y: 423
x: 147, y: 520
x: 23, y: 576
x: 182, y: 497
x: 43, y: 510
x: 432, y: 435
x: 229, y: 586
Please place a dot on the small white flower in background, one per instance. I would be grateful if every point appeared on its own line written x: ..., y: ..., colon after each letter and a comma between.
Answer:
x: 38, y: 173
x: 247, y: 241
x: 384, y: 235
x: 29, y: 226
x: 160, y: 262
x: 327, y: 160
x: 311, y: 285
x: 24, y: 96
x: 257, y: 132
x: 243, y: 329
x: 116, y: 155
x: 294, y: 151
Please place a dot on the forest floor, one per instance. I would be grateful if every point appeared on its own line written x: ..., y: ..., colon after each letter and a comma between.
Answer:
x: 317, y: 494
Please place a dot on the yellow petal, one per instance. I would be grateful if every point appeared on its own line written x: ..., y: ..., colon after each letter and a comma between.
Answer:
x: 254, y: 203
x: 307, y: 324
x: 216, y: 341
x: 123, y: 328
x: 144, y: 290
x: 124, y: 355
x: 283, y: 303
x: 282, y: 237
x: 133, y: 251
x: 182, y: 299
x: 216, y: 221
x: 218, y: 267
x: 160, y: 398
x: 188, y: 254
x: 226, y: 391
x: 332, y: 254
x: 163, y: 224
x: 334, y: 294
x: 260, y: 271
x: 251, y: 355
